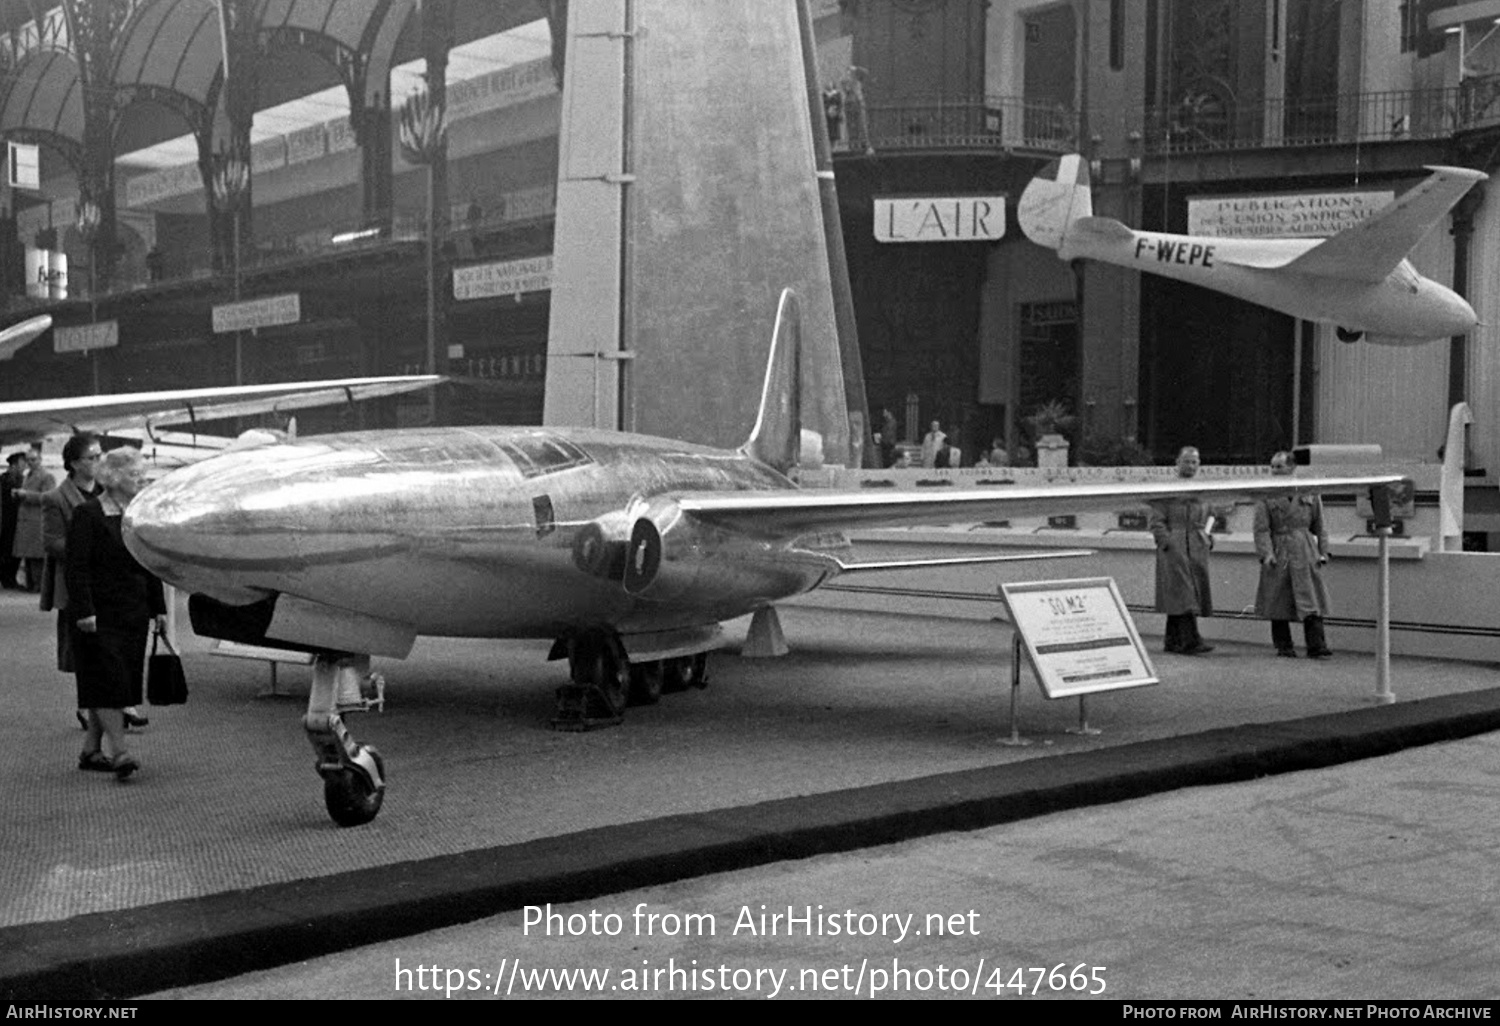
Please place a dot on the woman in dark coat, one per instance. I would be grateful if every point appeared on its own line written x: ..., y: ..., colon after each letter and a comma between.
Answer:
x: 1292, y: 544
x: 113, y: 601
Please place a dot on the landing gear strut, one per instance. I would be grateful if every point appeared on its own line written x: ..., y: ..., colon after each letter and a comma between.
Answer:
x: 353, y: 773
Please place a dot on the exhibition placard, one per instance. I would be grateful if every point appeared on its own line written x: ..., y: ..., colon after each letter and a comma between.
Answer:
x: 1078, y: 636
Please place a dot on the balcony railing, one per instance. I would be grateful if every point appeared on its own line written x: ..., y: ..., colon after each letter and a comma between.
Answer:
x: 1337, y: 120
x: 982, y: 123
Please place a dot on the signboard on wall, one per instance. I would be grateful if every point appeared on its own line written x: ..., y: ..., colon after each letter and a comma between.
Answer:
x: 80, y: 338
x: 940, y: 218
x: 1296, y: 215
x: 503, y: 278
x: 258, y: 313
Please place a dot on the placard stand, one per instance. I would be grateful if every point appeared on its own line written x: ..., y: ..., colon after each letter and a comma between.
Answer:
x: 1083, y: 720
x: 1079, y: 639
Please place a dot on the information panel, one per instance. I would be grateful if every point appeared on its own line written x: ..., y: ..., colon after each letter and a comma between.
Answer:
x: 1078, y: 636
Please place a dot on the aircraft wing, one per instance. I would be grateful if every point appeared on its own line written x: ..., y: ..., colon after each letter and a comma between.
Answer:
x: 1370, y: 250
x: 31, y: 419
x: 791, y: 514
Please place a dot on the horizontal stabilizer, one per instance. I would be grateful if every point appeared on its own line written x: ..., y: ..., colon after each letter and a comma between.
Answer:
x: 1370, y: 250
x: 1106, y: 229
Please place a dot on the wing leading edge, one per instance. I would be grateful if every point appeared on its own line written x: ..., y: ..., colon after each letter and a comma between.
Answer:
x: 787, y: 515
x: 31, y: 419
x: 1370, y: 250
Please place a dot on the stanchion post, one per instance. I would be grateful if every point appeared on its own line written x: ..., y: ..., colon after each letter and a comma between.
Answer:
x: 1015, y: 740
x: 1383, y: 693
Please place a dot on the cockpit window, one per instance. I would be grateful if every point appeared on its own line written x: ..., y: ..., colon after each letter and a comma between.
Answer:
x: 535, y: 455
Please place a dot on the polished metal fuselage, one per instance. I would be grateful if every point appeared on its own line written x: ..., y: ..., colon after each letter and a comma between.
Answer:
x: 460, y: 532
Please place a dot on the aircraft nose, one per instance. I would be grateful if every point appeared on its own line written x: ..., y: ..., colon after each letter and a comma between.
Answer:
x: 195, y: 518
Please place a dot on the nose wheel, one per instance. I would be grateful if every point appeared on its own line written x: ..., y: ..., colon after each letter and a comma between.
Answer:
x: 353, y: 773
x: 351, y: 794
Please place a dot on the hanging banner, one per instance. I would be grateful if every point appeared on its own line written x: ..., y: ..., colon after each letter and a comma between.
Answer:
x: 940, y: 218
x: 504, y: 278
x: 258, y: 313
x: 1301, y: 215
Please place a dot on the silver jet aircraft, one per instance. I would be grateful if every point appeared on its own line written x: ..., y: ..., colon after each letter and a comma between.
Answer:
x: 1359, y: 280
x: 627, y: 551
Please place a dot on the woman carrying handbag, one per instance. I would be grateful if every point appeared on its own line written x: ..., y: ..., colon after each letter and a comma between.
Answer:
x: 113, y: 600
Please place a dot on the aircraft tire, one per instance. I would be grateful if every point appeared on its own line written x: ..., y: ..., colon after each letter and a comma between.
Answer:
x: 686, y: 672
x: 608, y: 680
x: 350, y: 798
x: 647, y: 681
x: 675, y: 674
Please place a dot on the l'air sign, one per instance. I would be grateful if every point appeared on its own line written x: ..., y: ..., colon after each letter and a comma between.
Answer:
x: 940, y: 218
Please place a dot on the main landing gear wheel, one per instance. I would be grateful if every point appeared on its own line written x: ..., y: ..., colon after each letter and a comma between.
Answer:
x: 603, y: 676
x: 686, y: 672
x: 351, y: 798
x: 599, y: 687
x: 647, y: 682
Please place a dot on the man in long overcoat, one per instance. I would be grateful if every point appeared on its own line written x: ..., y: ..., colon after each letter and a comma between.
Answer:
x: 1181, y: 530
x: 28, y: 544
x: 9, y: 506
x: 1292, y: 544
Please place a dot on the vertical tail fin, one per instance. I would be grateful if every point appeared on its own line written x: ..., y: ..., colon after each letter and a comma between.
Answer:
x: 776, y: 439
x: 1054, y: 199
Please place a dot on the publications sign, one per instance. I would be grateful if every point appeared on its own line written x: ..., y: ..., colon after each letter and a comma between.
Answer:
x: 1299, y: 215
x: 258, y: 313
x: 505, y: 278
x: 80, y: 338
x: 1078, y: 636
x: 940, y: 218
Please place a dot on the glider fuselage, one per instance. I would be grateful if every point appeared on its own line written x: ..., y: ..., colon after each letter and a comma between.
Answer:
x: 1403, y: 305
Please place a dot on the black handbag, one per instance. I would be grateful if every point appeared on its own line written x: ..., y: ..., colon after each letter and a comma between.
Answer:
x: 165, y: 683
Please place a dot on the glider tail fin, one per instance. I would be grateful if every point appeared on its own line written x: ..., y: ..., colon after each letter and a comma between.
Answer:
x: 1056, y: 198
x: 776, y: 439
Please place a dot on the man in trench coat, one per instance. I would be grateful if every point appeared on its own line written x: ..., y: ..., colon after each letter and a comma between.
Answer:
x: 1292, y: 544
x: 1181, y: 530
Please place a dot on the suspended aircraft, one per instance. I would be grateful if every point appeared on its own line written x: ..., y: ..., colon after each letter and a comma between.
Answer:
x: 627, y: 551
x: 1359, y: 280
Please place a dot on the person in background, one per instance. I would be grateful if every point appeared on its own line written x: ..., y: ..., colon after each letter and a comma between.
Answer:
x: 932, y: 443
x: 999, y: 455
x: 1183, y: 541
x: 113, y: 601
x: 1292, y: 543
x: 10, y: 480
x: 949, y: 454
x: 28, y: 544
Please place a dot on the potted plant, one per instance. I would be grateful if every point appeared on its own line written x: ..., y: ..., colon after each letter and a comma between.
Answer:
x: 1048, y: 426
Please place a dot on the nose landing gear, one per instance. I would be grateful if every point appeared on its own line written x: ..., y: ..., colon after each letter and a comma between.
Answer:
x: 353, y: 773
